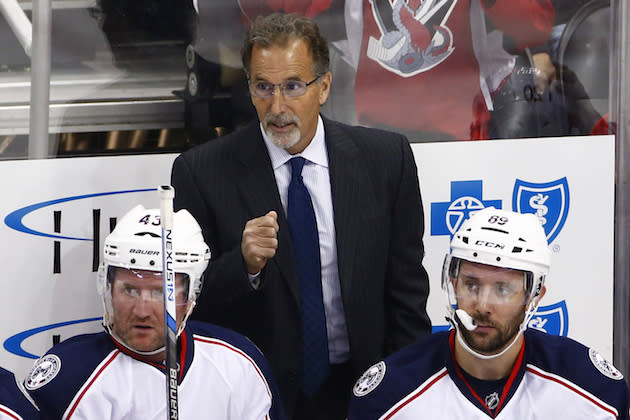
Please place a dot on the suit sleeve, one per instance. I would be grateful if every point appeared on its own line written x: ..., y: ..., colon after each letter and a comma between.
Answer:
x: 407, y: 280
x: 528, y: 22
x: 225, y: 279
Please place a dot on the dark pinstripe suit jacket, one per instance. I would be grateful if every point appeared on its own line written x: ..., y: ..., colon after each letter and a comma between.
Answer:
x: 379, y: 225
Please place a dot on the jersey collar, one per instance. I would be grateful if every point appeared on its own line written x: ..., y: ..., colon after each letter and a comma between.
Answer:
x: 513, y: 381
x: 185, y: 347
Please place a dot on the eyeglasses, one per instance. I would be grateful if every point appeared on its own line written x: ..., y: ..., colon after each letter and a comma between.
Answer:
x: 289, y: 88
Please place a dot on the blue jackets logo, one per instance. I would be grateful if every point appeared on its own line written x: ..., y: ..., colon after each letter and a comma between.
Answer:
x: 466, y: 199
x: 549, y: 201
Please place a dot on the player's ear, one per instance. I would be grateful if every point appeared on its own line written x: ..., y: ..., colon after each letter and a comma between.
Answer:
x: 543, y: 290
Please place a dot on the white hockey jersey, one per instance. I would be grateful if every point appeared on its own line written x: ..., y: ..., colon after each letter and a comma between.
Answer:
x: 553, y: 378
x: 223, y: 376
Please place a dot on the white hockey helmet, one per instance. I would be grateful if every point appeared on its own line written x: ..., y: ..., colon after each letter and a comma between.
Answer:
x: 503, y: 239
x: 136, y: 243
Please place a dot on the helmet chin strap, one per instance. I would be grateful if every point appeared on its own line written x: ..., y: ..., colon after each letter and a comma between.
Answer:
x: 182, y: 324
x: 462, y: 318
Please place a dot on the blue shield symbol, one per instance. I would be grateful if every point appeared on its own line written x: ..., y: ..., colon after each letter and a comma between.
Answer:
x: 549, y: 201
x: 552, y: 319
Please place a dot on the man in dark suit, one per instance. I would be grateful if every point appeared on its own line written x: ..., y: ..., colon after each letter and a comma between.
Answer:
x: 255, y: 209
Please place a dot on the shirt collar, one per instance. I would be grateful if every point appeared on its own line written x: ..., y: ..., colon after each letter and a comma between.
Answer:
x: 315, y: 152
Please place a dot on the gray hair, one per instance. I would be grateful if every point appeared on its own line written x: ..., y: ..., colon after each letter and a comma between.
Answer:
x: 278, y: 29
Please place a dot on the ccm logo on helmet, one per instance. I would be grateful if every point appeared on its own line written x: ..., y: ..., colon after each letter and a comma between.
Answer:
x: 489, y: 244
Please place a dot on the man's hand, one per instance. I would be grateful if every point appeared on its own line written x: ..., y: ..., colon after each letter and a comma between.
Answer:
x: 260, y: 241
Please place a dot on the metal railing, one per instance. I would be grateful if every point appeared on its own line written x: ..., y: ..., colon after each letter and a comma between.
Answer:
x: 620, y: 97
x: 35, y: 40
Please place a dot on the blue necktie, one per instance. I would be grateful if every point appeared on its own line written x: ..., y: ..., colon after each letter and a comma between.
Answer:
x: 303, y: 227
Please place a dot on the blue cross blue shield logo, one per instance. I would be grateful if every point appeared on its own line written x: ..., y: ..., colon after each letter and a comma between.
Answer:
x: 549, y: 201
x: 466, y: 200
x: 552, y: 319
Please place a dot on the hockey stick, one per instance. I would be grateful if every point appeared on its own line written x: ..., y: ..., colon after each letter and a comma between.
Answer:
x: 170, y: 315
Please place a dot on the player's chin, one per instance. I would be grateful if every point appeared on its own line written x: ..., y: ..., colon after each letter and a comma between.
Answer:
x: 484, y: 349
x: 285, y: 139
x: 145, y: 344
x: 481, y: 342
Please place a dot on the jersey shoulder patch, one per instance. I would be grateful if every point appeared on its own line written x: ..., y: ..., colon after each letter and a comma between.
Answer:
x: 89, y: 349
x: 370, y: 379
x: 43, y: 371
x: 606, y: 368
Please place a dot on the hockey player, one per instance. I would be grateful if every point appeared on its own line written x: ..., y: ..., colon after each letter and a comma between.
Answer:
x: 490, y: 365
x: 119, y: 374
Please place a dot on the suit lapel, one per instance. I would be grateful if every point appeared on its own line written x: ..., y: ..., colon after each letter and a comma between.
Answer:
x: 352, y: 194
x: 259, y: 191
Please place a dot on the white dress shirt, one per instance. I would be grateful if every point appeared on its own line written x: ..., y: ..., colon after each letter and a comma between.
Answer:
x: 317, y: 181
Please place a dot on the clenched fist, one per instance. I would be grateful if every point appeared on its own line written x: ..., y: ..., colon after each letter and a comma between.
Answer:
x: 260, y: 241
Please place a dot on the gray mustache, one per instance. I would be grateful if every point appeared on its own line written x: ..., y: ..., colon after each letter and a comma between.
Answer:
x: 280, y: 119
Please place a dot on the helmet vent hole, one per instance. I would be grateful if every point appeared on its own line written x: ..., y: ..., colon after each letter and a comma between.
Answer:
x: 151, y: 234
x: 495, y: 230
x: 474, y: 254
x: 465, y: 239
x: 133, y: 261
x: 498, y: 259
x: 151, y: 262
